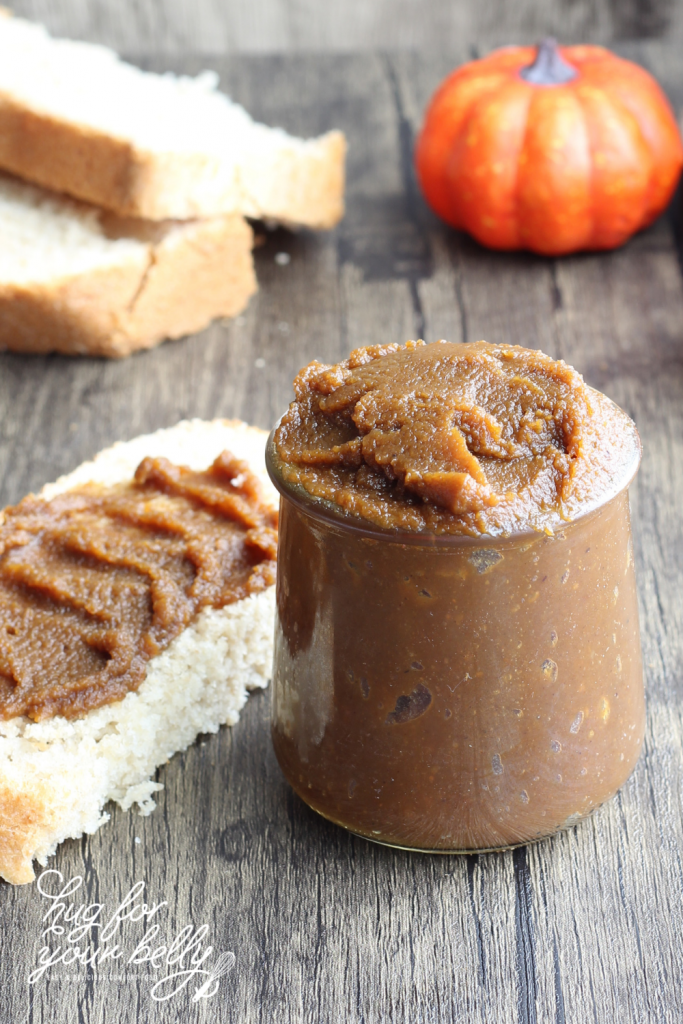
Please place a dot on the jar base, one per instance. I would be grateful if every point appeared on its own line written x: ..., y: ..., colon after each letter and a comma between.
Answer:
x: 450, y: 852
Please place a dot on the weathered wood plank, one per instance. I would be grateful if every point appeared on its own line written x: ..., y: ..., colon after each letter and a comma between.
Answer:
x: 262, y: 26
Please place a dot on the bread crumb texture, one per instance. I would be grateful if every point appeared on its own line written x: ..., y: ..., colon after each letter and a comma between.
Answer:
x: 56, y: 776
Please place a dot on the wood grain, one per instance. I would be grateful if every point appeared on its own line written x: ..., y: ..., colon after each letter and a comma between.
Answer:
x: 296, y: 26
x: 325, y: 927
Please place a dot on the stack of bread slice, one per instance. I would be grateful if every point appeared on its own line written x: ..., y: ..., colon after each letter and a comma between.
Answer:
x: 142, y: 234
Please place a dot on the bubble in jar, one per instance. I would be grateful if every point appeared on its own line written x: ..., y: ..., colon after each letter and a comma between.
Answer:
x: 549, y: 670
x: 576, y: 724
x: 485, y: 559
x: 410, y: 706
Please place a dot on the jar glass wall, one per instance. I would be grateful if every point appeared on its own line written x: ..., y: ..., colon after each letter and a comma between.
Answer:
x: 449, y: 693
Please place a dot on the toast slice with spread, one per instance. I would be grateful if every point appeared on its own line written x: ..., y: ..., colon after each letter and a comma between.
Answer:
x: 57, y: 772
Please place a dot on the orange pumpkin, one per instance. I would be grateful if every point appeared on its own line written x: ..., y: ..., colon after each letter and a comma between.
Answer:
x: 549, y: 149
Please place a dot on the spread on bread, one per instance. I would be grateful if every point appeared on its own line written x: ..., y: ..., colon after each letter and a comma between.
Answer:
x: 100, y: 579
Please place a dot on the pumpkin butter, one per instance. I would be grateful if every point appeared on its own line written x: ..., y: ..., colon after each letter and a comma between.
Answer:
x: 457, y: 660
x: 98, y: 580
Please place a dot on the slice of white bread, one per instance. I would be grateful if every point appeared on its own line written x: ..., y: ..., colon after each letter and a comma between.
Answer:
x: 75, y: 118
x: 57, y: 775
x: 74, y: 279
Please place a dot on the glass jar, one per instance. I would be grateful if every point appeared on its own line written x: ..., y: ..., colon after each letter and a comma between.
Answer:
x: 449, y: 693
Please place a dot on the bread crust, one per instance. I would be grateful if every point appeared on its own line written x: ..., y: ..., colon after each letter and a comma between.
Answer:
x: 177, y: 284
x: 303, y: 188
x: 81, y: 162
x: 25, y: 819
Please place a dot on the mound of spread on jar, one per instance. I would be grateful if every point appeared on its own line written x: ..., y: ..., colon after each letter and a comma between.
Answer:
x: 451, y: 438
x: 100, y: 579
x: 457, y: 653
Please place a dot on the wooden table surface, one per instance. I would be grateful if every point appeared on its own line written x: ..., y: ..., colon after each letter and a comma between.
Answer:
x: 288, y: 26
x: 325, y: 927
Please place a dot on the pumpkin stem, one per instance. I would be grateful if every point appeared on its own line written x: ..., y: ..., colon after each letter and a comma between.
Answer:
x: 549, y: 68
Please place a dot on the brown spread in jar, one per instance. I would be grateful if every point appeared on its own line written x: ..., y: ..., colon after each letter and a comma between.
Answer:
x: 100, y: 579
x: 457, y: 654
x: 453, y: 438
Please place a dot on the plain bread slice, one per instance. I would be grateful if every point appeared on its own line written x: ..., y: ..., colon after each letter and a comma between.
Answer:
x: 77, y: 280
x: 77, y: 119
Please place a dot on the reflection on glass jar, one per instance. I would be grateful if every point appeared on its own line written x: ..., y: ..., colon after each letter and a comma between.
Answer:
x: 451, y: 693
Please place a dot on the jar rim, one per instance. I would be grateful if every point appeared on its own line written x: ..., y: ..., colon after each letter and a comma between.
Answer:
x: 332, y: 515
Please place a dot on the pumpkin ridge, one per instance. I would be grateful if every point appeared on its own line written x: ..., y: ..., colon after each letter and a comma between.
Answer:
x: 664, y: 133
x: 616, y: 235
x: 423, y: 159
x: 517, y: 175
x: 515, y: 190
x: 553, y: 196
x: 469, y: 223
x: 618, y: 103
x: 592, y: 187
